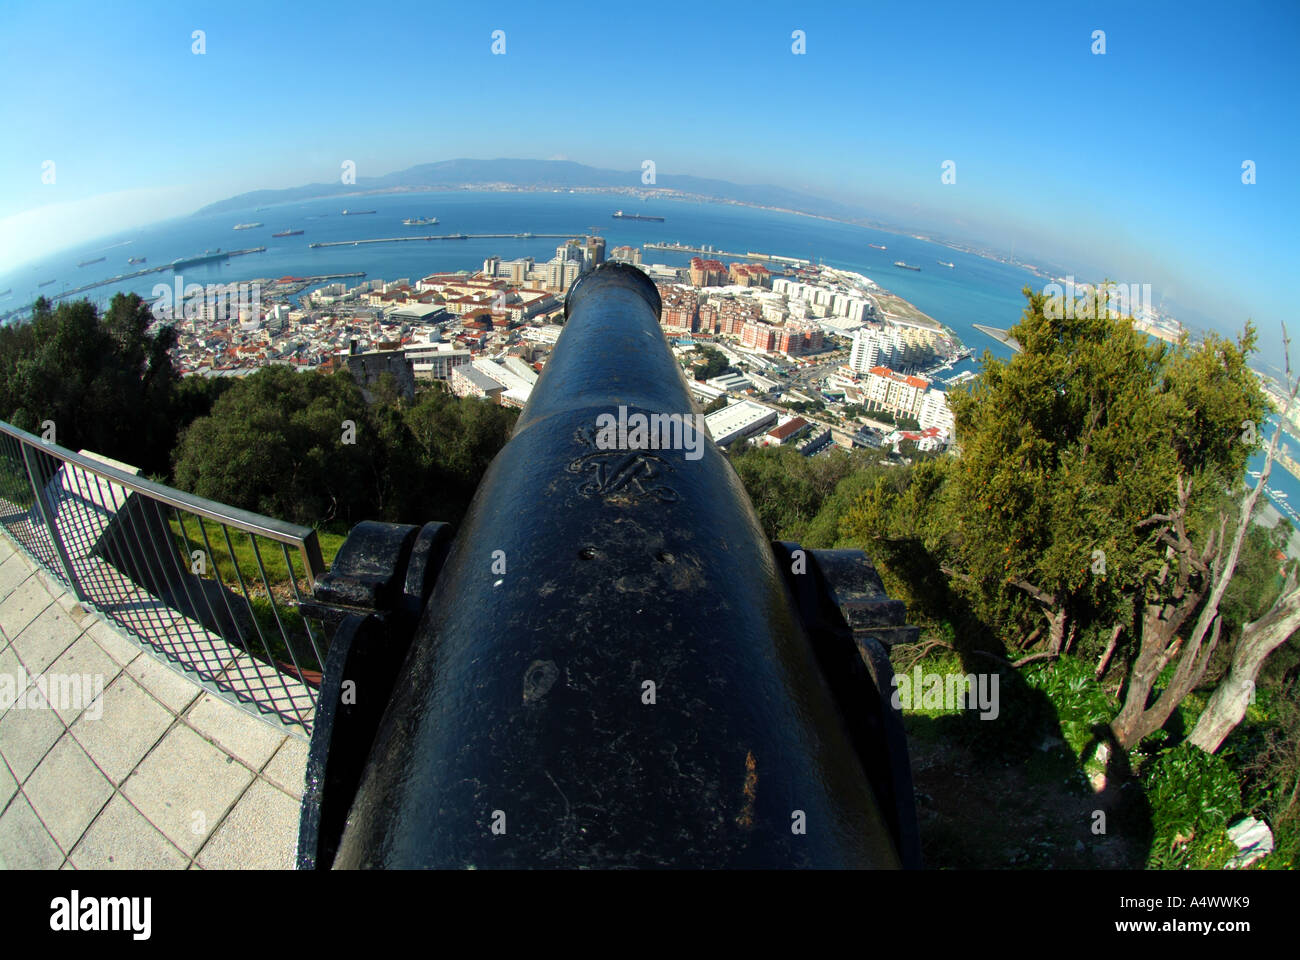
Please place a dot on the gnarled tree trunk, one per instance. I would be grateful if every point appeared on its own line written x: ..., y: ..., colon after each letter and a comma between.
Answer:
x: 1227, y: 706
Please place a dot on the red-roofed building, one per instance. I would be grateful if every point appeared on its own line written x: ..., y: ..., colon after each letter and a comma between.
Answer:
x: 749, y: 274
x: 788, y: 430
x: 707, y: 273
x: 896, y: 393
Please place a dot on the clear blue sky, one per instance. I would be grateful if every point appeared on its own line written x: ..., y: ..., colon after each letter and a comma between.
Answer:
x: 1127, y: 163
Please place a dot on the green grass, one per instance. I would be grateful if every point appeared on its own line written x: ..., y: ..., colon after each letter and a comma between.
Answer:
x: 276, y: 613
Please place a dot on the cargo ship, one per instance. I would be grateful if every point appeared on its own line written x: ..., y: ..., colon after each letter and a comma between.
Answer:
x: 45, y: 283
x: 355, y: 213
x: 906, y: 266
x: 420, y: 221
x: 134, y: 260
x: 205, y: 258
x: 946, y: 263
x: 620, y: 215
x: 877, y: 246
x: 246, y: 226
x: 86, y: 263
x: 288, y: 233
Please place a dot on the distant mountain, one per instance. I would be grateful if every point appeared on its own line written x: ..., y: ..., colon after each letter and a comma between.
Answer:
x: 540, y: 173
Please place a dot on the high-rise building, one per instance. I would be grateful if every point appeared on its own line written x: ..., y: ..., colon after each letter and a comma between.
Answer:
x: 707, y: 273
x: 899, y: 394
x: 593, y: 253
x: 758, y: 336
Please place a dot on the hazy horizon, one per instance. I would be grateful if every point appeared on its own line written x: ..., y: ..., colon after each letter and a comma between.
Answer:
x: 1125, y: 164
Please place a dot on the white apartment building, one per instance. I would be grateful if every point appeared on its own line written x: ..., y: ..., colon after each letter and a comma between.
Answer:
x: 935, y: 412
x: 435, y: 361
x: 901, y: 395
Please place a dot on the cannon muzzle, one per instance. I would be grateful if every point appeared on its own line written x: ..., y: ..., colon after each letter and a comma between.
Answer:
x: 613, y: 666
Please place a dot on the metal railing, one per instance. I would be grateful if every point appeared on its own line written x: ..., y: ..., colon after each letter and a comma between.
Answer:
x: 213, y: 589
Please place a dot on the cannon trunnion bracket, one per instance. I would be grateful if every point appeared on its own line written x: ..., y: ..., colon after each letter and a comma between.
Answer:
x: 608, y: 665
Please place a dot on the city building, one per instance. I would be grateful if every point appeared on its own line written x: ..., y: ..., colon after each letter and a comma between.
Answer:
x: 707, y: 273
x: 935, y: 413
x: 434, y: 360
x: 749, y: 274
x: 466, y: 381
x: 895, y: 393
x: 738, y: 420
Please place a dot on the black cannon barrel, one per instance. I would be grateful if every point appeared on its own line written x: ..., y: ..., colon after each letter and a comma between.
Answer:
x: 610, y: 671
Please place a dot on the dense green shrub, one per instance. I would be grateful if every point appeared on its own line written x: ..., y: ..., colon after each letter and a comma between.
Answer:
x: 1193, y: 795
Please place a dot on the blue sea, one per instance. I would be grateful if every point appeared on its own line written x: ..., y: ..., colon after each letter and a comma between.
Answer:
x: 975, y: 290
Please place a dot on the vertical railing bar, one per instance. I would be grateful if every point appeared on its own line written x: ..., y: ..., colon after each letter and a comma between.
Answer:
x: 147, y: 579
x: 41, y: 505
x: 188, y: 619
x: 297, y: 597
x: 252, y: 615
x: 113, y: 592
x: 243, y: 642
x: 216, y: 567
x: 293, y: 581
x: 86, y: 544
x: 216, y: 620
x: 275, y: 610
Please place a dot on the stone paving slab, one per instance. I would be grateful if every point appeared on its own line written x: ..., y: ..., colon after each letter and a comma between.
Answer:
x: 247, y: 840
x: 26, y: 735
x: 166, y: 686
x: 8, y: 785
x: 17, y: 679
x: 65, y: 812
x: 288, y: 768
x: 130, y: 723
x: 242, y: 736
x: 117, y: 782
x: 25, y: 844
x: 87, y: 663
x: 23, y: 605
x: 122, y: 839
x: 13, y: 571
x: 185, y: 787
x: 52, y: 632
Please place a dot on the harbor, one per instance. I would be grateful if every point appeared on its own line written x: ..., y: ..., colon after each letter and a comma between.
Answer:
x: 1001, y: 336
x: 448, y: 236
x: 174, y: 265
x: 708, y: 251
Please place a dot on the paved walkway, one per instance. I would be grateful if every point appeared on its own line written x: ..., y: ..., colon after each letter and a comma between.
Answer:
x: 155, y: 772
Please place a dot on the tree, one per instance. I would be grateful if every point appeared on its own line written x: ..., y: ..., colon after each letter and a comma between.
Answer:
x: 715, y: 363
x: 717, y: 403
x: 1260, y: 637
x: 299, y: 446
x: 105, y: 380
x: 1216, y: 394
